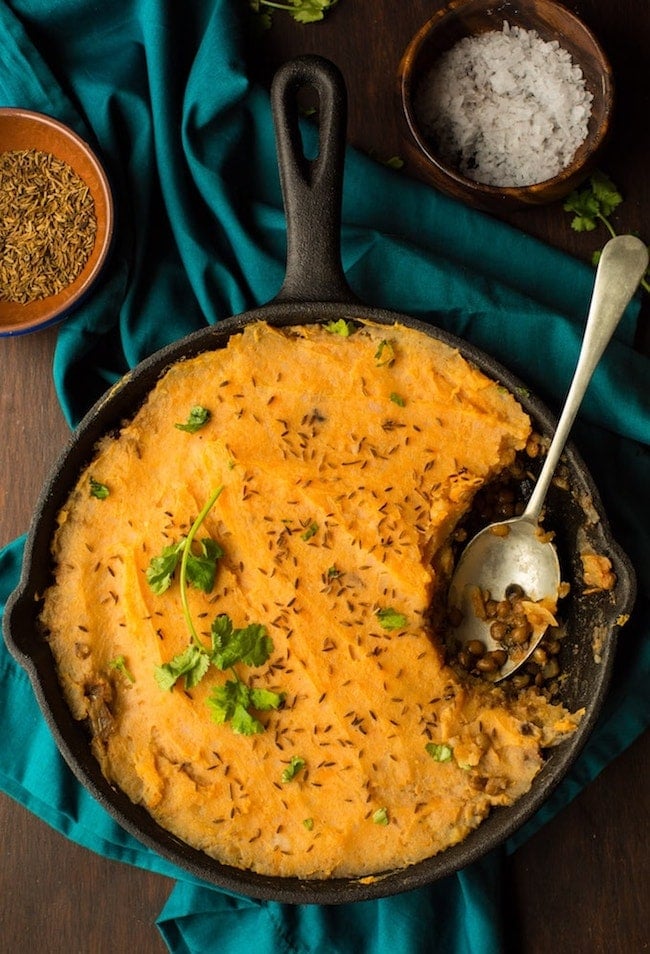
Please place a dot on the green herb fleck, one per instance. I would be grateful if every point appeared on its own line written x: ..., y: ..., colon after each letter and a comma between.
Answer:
x: 380, y: 817
x: 310, y: 532
x: 308, y: 823
x: 100, y: 491
x: 341, y: 327
x: 296, y: 765
x: 398, y: 399
x: 385, y: 354
x: 119, y: 663
x: 333, y: 573
x: 197, y: 418
x: 390, y: 619
x: 439, y: 751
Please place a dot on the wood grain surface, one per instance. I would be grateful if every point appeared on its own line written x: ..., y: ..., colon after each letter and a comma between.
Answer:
x: 580, y: 884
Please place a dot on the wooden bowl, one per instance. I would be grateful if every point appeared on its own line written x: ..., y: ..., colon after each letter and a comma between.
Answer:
x: 552, y: 21
x: 20, y: 130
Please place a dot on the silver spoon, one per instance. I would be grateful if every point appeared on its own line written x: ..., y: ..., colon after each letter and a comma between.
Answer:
x: 515, y: 553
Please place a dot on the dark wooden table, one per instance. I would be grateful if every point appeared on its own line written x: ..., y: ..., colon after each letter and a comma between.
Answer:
x: 581, y: 884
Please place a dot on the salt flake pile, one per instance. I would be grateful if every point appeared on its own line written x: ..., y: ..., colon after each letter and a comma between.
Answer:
x: 505, y: 108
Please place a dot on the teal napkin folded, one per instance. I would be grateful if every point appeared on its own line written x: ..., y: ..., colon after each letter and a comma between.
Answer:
x: 163, y: 94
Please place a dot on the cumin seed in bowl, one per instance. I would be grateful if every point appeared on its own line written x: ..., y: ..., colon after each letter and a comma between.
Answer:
x: 56, y: 220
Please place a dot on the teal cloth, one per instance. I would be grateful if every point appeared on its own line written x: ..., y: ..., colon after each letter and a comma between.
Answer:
x: 163, y: 93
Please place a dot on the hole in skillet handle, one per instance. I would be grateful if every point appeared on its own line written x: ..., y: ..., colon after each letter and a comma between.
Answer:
x: 312, y: 189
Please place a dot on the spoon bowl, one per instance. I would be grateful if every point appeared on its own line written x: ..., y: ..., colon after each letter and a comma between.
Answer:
x: 505, y: 557
x: 518, y: 555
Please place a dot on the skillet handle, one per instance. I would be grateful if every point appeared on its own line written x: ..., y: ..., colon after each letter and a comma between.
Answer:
x: 312, y: 189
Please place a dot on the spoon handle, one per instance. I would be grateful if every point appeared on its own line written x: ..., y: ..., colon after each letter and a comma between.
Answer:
x: 623, y: 261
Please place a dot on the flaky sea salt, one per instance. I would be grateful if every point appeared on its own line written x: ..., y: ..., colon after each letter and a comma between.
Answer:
x: 505, y: 108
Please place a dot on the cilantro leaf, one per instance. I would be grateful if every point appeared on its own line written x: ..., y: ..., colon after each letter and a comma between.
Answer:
x: 397, y: 399
x: 265, y: 699
x: 231, y: 703
x: 197, y: 418
x: 390, y: 619
x: 249, y: 645
x: 380, y: 817
x: 243, y: 723
x: 224, y: 700
x: 202, y: 569
x: 161, y: 568
x: 593, y: 204
x: 296, y: 764
x: 605, y: 192
x: 192, y: 663
x: 585, y: 207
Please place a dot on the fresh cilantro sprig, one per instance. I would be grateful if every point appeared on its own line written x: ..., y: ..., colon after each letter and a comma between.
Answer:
x: 229, y: 646
x: 303, y: 11
x: 233, y: 701
x: 593, y: 205
x: 198, y: 570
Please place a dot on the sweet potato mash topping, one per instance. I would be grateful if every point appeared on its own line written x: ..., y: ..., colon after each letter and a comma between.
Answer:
x: 597, y: 572
x: 282, y: 551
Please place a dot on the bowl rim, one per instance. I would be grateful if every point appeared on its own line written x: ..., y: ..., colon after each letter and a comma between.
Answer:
x: 63, y: 301
x: 481, y: 190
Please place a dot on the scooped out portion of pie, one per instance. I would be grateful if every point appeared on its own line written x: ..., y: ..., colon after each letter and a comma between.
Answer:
x: 242, y: 598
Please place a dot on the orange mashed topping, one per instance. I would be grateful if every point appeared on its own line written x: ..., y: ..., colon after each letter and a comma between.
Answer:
x: 346, y: 462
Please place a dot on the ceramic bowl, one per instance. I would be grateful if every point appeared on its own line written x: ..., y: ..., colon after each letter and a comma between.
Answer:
x: 20, y: 130
x: 463, y: 18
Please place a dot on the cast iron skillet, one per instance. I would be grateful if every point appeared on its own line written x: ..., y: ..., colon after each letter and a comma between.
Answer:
x: 315, y: 290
